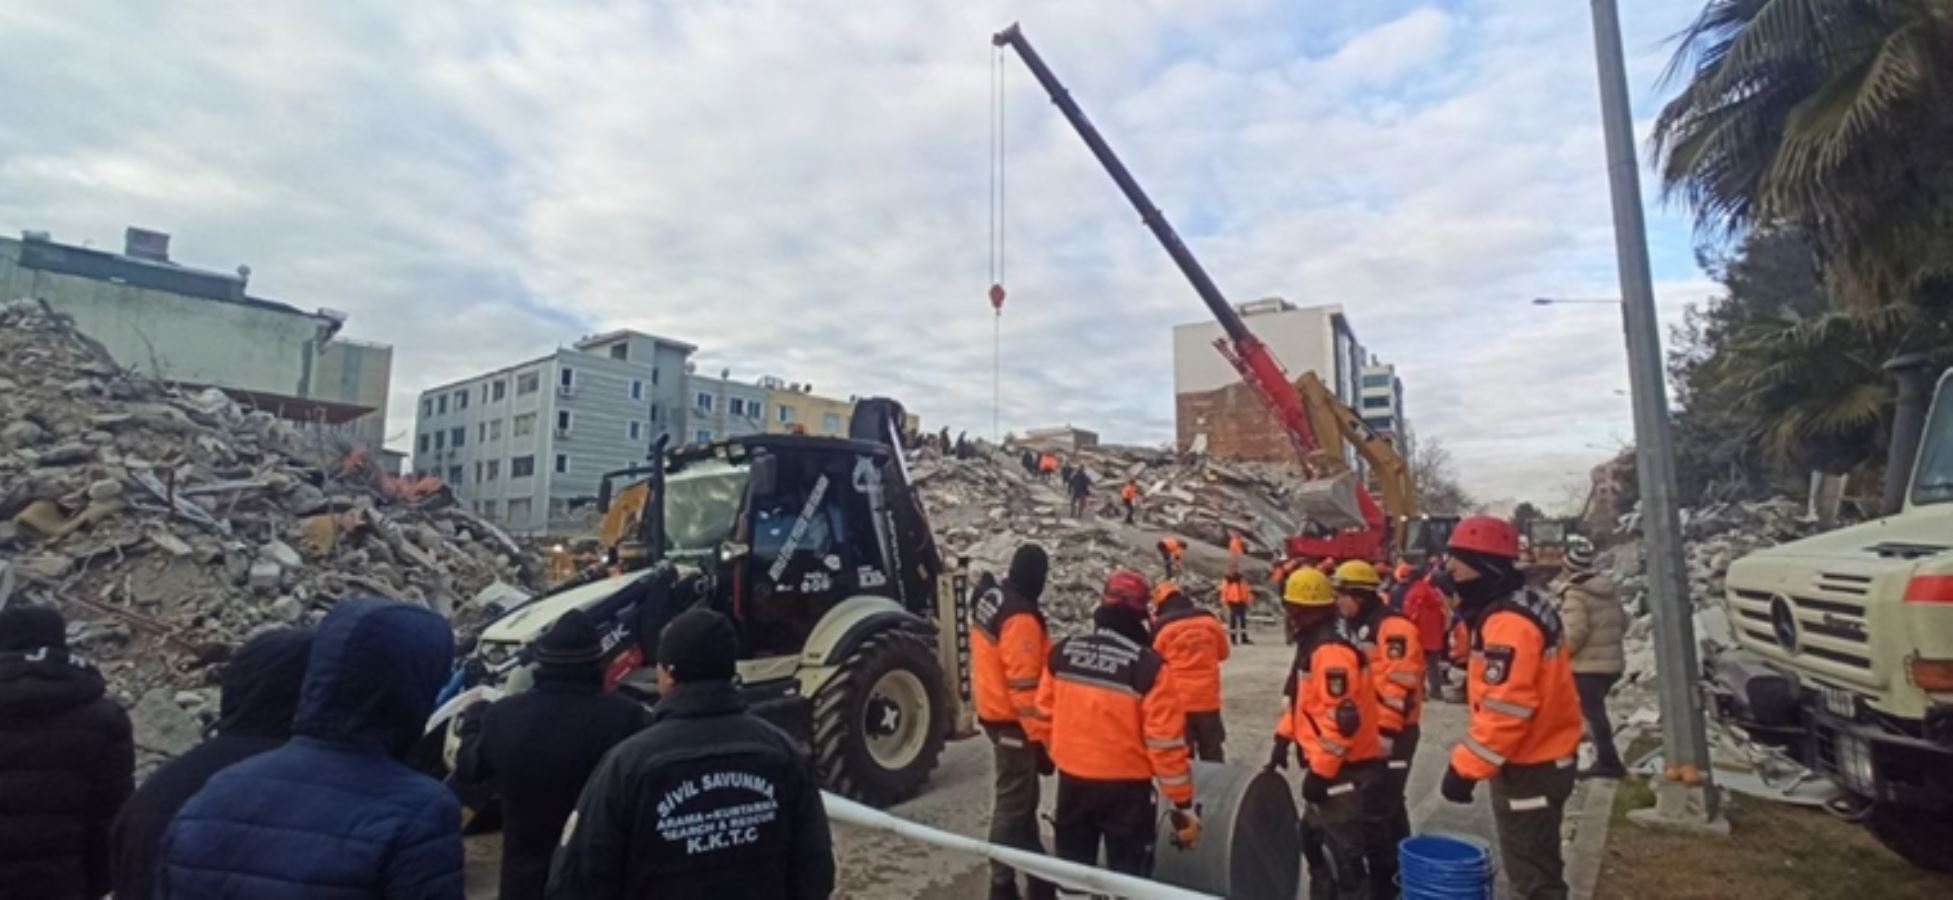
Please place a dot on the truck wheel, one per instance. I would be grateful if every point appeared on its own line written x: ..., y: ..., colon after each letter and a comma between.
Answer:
x: 1919, y: 836
x: 880, y: 722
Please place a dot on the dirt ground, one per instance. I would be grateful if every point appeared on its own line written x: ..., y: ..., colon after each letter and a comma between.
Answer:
x: 1774, y: 851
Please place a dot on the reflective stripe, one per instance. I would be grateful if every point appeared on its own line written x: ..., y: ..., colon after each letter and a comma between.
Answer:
x: 1341, y: 789
x: 1157, y: 744
x: 1176, y: 779
x: 1563, y: 763
x: 1009, y: 741
x: 1022, y: 683
x: 1396, y: 703
x: 1333, y: 747
x: 1400, y: 764
x: 1408, y: 679
x: 1076, y: 678
x: 1484, y: 752
x: 1522, y: 804
x: 1514, y: 710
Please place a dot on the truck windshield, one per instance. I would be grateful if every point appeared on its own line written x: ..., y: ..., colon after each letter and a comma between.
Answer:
x: 702, y: 506
x: 1934, y: 482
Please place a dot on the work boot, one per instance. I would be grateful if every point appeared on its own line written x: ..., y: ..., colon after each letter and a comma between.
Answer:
x: 1244, y: 640
x: 1005, y: 891
x: 1610, y: 771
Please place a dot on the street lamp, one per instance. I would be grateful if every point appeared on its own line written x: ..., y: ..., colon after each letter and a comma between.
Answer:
x: 1561, y: 301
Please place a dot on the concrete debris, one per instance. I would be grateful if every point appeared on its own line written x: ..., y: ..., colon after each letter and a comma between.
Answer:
x: 169, y: 526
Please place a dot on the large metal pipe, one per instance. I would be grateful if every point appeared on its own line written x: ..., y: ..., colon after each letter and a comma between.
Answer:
x: 1250, y: 846
x: 1910, y: 376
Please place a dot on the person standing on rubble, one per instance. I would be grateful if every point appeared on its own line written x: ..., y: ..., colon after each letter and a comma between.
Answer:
x: 1330, y: 717
x: 1008, y: 646
x: 1116, y: 729
x: 1236, y: 596
x: 1236, y: 547
x: 1192, y: 643
x: 1173, y: 553
x: 66, y: 762
x: 1129, y: 495
x: 1596, y: 626
x: 259, y: 696
x: 1525, y: 713
x: 710, y: 801
x: 537, y: 749
x: 1396, y: 657
x: 1047, y: 465
x: 1079, y: 485
x: 1030, y: 463
x: 256, y: 829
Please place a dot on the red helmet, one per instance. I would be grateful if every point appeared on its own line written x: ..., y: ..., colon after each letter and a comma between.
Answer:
x: 1125, y: 587
x: 1486, y: 534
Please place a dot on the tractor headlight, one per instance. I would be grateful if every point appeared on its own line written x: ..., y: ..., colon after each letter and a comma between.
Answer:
x: 1855, y: 763
x: 495, y: 654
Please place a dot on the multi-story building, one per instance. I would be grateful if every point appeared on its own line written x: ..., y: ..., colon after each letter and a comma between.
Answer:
x: 1383, y: 405
x: 526, y: 445
x: 792, y: 407
x: 1213, y: 407
x: 201, y: 328
x: 720, y: 408
x: 1059, y: 437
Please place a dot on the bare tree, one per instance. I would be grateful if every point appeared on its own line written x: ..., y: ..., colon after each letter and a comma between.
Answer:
x: 1438, y: 490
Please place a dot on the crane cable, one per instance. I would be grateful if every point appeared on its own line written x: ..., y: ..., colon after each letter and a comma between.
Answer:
x: 997, y: 234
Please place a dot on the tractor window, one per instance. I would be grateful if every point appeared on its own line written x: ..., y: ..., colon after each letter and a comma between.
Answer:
x: 1933, y: 482
x: 811, y: 540
x: 702, y: 507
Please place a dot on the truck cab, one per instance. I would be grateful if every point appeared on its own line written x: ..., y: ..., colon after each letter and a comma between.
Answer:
x: 1846, y: 653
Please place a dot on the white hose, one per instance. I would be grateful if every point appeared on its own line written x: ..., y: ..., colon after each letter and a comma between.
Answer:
x: 1057, y: 871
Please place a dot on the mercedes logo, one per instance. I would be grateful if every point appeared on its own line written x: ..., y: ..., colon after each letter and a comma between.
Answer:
x: 1783, y: 622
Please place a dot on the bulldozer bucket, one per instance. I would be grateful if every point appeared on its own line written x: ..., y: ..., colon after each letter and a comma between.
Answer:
x: 1331, y: 501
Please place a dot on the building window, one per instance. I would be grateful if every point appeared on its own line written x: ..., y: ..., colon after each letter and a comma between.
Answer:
x: 484, y: 392
x: 1370, y: 381
x: 488, y: 509
x: 736, y: 406
x: 441, y: 405
x: 461, y: 399
x: 620, y: 351
x: 423, y: 443
x: 704, y: 436
x: 427, y: 406
x: 458, y: 436
x: 566, y: 377
x: 637, y: 389
x: 522, y: 467
x: 654, y: 376
x: 527, y: 383
x: 501, y: 389
x: 786, y: 414
x: 558, y: 508
x: 562, y: 421
x: 634, y: 430
x: 703, y: 401
x: 494, y: 469
x: 525, y: 425
x: 562, y: 463
x: 831, y: 423
x: 654, y: 413
x: 1376, y: 402
x: 440, y: 439
x: 481, y: 433
x: 495, y: 430
x: 519, y: 512
x: 455, y: 475
x: 478, y: 471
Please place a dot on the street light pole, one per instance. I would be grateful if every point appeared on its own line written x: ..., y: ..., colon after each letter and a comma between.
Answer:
x: 1684, y: 795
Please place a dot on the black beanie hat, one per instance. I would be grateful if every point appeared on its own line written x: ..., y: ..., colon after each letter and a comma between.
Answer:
x: 1028, y: 567
x: 698, y: 645
x: 28, y: 627
x: 572, y: 641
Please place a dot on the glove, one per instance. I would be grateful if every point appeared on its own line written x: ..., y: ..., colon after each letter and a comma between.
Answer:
x: 1045, y: 765
x: 1315, y: 788
x: 1457, y: 788
x: 1186, y: 827
x: 1279, y: 758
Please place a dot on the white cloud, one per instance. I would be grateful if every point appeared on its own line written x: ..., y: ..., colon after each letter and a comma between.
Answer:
x: 799, y: 187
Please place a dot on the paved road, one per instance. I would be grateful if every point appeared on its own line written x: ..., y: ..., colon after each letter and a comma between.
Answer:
x: 875, y: 865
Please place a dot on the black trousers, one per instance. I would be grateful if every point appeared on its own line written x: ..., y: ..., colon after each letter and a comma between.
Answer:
x: 1527, y: 804
x: 1128, y: 512
x: 1393, y: 815
x: 1593, y: 707
x: 1339, y: 835
x: 1237, y: 622
x: 1116, y: 815
x: 1014, y: 811
x: 1434, y: 674
x: 1205, y: 734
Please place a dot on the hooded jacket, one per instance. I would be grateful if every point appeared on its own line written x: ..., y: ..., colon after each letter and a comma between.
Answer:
x: 334, y: 813
x: 66, y: 762
x: 1008, y: 644
x: 1192, y: 644
x: 1595, y: 625
x: 260, y: 696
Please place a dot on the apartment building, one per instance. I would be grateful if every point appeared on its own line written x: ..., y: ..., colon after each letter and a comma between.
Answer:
x: 721, y: 408
x: 526, y: 445
x: 1382, y: 406
x: 1213, y: 406
x: 794, y: 408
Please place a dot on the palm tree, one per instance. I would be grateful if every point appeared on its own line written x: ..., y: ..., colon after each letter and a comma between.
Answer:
x: 1829, y: 114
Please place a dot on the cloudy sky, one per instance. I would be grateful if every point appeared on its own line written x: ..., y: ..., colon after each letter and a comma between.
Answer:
x: 800, y: 188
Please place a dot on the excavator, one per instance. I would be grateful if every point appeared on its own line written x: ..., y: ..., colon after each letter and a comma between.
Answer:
x: 1345, y: 520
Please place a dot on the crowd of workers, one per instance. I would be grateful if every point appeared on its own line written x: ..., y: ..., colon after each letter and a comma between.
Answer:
x: 600, y: 799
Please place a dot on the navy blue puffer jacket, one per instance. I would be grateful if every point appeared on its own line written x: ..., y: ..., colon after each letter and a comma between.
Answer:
x: 334, y: 814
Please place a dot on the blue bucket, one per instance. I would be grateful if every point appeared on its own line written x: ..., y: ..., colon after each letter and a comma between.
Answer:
x: 1444, y: 867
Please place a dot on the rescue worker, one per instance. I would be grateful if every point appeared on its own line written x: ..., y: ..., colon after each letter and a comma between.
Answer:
x: 1525, y: 714
x: 1173, y: 552
x: 1079, y: 486
x: 1116, y: 728
x: 1192, y: 643
x: 1236, y: 596
x: 1129, y: 494
x: 1047, y: 465
x: 1396, y: 656
x: 1235, y: 548
x: 1008, y: 646
x: 1330, y: 716
x: 710, y: 801
x: 1424, y: 606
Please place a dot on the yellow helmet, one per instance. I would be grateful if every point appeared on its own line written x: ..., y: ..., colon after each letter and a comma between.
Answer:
x: 1358, y: 574
x: 1307, y: 586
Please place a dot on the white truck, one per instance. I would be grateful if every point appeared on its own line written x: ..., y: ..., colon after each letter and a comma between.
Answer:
x: 1846, y: 652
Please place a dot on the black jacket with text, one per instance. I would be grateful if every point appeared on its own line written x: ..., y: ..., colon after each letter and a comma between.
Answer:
x: 66, y: 765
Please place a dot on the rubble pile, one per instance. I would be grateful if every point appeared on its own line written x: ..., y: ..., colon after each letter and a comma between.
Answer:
x: 169, y: 526
x: 982, y: 507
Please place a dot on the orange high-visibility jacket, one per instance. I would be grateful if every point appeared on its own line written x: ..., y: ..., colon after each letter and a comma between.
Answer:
x: 1461, y: 643
x: 1173, y: 546
x: 1330, y: 706
x: 1279, y: 574
x: 1520, y: 685
x: 1192, y: 643
x: 1396, y: 665
x: 1235, y: 545
x: 1008, y: 645
x: 1114, y: 714
x: 1129, y: 492
x: 1048, y: 462
x: 1236, y: 592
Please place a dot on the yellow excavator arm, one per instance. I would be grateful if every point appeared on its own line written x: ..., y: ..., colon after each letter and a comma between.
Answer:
x: 1329, y: 415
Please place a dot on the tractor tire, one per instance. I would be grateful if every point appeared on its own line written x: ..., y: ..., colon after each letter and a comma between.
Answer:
x: 1919, y: 836
x: 881, y: 721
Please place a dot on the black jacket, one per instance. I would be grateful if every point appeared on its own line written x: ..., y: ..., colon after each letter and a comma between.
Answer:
x: 535, y: 750
x: 709, y: 802
x: 260, y: 694
x: 66, y: 763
